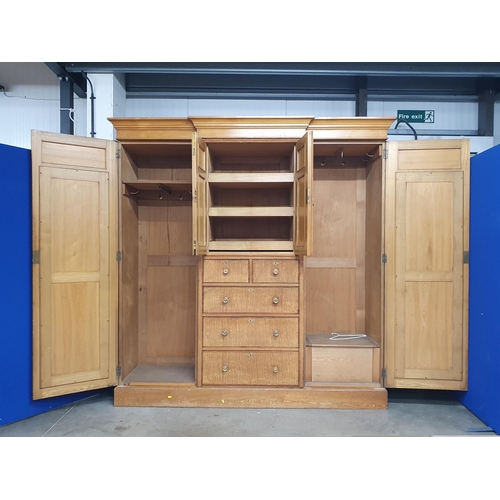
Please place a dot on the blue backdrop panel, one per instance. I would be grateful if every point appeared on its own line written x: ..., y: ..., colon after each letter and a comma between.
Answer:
x: 483, y: 396
x: 16, y: 401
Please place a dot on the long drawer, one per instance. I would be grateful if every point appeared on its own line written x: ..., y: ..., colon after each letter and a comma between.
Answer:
x: 275, y: 300
x: 250, y: 332
x: 250, y: 368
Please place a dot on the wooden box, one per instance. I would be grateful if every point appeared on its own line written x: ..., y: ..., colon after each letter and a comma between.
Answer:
x: 355, y: 360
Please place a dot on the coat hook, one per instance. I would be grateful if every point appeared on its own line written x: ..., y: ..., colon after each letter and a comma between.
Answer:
x: 323, y: 162
x: 165, y: 188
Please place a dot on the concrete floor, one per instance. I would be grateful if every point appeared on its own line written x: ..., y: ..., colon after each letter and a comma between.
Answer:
x: 410, y: 413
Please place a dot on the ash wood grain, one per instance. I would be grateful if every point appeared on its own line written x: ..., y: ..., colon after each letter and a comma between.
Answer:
x: 75, y: 283
x: 129, y: 286
x: 426, y: 342
x: 167, y: 283
x: 374, y: 250
x: 252, y: 397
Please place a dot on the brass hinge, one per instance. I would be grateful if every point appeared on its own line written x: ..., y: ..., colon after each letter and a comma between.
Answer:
x: 36, y: 256
x: 117, y: 153
x: 466, y: 256
x: 384, y: 258
x: 118, y: 371
x: 308, y: 195
x: 194, y: 151
x: 118, y: 256
x: 194, y: 195
x: 384, y: 373
x: 385, y: 154
x: 194, y: 244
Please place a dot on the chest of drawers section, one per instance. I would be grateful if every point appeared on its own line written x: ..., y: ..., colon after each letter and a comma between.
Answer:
x: 251, y: 326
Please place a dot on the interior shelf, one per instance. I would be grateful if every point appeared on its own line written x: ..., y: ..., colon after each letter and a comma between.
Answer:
x: 161, y: 374
x: 255, y: 180
x: 250, y: 212
x: 251, y: 245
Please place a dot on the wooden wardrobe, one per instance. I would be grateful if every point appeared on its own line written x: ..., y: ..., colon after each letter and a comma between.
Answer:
x: 290, y: 262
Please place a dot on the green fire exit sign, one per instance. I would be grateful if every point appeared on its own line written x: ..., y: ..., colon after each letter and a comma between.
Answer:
x: 416, y: 115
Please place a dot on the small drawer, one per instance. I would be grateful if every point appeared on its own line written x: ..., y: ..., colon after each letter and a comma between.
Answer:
x: 274, y: 300
x: 225, y: 271
x: 251, y: 332
x: 250, y: 368
x: 275, y: 271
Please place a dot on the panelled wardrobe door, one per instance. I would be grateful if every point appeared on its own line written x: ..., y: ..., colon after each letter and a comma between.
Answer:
x: 200, y: 197
x: 427, y: 233
x: 303, y: 195
x: 75, y: 278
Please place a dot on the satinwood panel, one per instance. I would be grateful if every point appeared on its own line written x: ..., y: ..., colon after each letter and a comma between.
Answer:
x: 282, y: 300
x: 250, y: 368
x: 250, y: 332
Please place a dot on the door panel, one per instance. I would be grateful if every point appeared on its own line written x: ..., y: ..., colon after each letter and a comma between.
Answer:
x: 304, y: 196
x: 200, y: 197
x: 426, y: 236
x: 75, y: 276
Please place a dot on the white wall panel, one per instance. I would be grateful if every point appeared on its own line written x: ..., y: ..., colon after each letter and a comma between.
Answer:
x: 155, y: 108
x: 236, y: 107
x: 31, y: 101
x: 182, y: 108
x: 326, y: 109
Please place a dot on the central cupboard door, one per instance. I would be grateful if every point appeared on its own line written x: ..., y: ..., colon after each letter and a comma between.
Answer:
x: 252, y: 195
x: 427, y: 275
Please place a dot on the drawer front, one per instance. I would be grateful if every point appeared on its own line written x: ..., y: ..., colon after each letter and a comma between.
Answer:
x: 282, y: 300
x: 226, y: 271
x: 251, y: 332
x: 275, y: 271
x: 250, y: 368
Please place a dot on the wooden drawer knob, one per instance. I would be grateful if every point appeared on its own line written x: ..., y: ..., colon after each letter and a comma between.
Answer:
x: 225, y: 368
x: 225, y: 300
x: 275, y: 369
x: 226, y: 271
x: 276, y: 333
x: 275, y: 300
x: 275, y: 271
x: 224, y: 333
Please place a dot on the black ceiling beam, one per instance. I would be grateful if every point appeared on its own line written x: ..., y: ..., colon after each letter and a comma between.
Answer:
x: 78, y: 80
x: 442, y: 70
x: 320, y: 81
x: 486, y: 108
